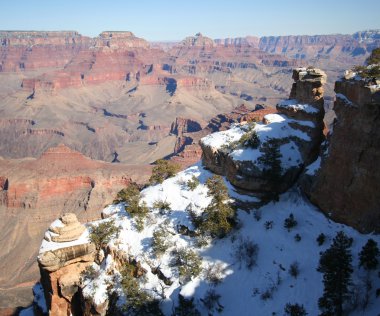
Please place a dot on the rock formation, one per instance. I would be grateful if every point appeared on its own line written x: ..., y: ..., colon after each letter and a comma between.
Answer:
x: 61, y: 264
x: 70, y: 230
x: 347, y: 184
x: 187, y: 150
x: 296, y: 131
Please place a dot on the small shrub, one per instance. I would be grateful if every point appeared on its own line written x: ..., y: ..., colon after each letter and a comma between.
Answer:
x: 321, y: 239
x: 250, y: 139
x: 246, y: 252
x: 160, y: 241
x: 202, y: 241
x: 373, y: 68
x: 294, y: 269
x: 297, y: 237
x: 138, y: 301
x: 368, y: 255
x: 273, y: 286
x: 162, y: 206
x: 257, y: 215
x: 90, y: 273
x: 211, y: 302
x: 185, y: 307
x: 188, y: 263
x: 193, y: 183
x: 268, y: 225
x: 230, y: 146
x: 102, y: 233
x: 131, y: 196
x: 290, y: 222
x: 267, y: 294
x: 214, y: 273
x: 294, y: 310
x: 162, y: 170
x: 127, y: 194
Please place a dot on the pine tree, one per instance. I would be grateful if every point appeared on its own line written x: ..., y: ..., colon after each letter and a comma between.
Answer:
x: 162, y: 170
x: 185, y: 307
x: 217, y: 218
x: 368, y: 255
x: 335, y: 264
x: 131, y: 196
x: 271, y: 158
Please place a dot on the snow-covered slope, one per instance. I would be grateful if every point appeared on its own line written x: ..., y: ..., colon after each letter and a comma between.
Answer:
x: 241, y: 289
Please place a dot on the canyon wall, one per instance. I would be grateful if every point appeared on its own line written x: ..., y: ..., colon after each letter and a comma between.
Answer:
x: 347, y: 184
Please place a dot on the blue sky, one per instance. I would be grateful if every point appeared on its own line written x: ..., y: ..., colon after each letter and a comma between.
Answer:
x: 176, y: 19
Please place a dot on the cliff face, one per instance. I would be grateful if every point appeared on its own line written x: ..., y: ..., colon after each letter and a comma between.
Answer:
x: 342, y: 47
x: 347, y: 184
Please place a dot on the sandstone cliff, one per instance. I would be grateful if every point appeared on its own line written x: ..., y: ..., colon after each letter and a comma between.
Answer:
x: 347, y: 183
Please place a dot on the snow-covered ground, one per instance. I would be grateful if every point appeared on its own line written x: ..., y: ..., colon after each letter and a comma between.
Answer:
x: 241, y: 288
x: 278, y: 127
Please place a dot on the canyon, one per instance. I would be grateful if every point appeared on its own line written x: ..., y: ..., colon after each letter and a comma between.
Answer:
x: 118, y: 103
x: 76, y: 280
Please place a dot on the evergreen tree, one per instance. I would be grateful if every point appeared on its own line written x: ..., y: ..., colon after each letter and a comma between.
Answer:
x: 162, y: 170
x: 295, y: 310
x: 101, y: 234
x: 185, y: 307
x: 368, y: 255
x: 271, y: 160
x: 335, y: 264
x: 217, y: 219
x: 131, y: 196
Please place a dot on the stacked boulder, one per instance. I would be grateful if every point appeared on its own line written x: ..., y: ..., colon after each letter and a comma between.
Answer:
x: 69, y: 230
x: 65, y: 253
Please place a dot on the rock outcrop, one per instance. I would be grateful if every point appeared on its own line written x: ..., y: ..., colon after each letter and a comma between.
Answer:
x: 187, y: 150
x: 62, y: 263
x: 347, y: 183
x: 295, y: 134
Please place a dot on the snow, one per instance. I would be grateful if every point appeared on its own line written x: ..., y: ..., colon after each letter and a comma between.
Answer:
x: 39, y: 297
x: 313, y: 167
x: 291, y: 156
x: 246, y: 154
x: 39, y: 300
x: 216, y: 140
x: 27, y: 312
x: 48, y: 245
x: 294, y: 105
x: 280, y: 128
x: 345, y: 99
x: 277, y: 250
